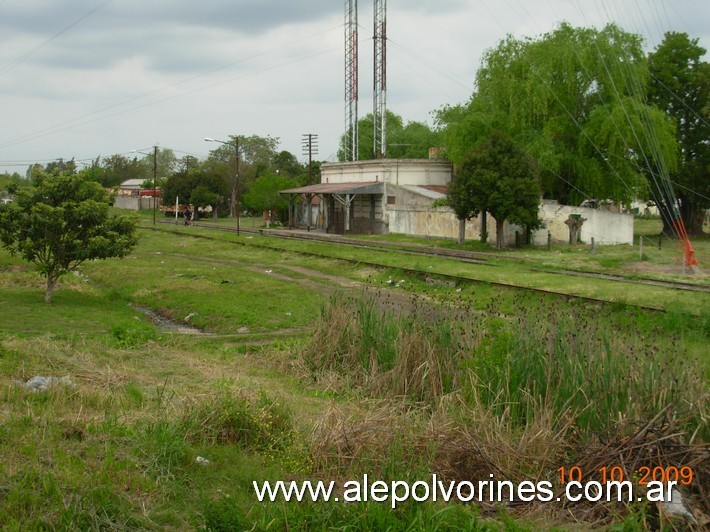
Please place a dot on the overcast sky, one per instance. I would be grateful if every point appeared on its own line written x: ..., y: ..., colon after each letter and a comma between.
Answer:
x: 83, y: 78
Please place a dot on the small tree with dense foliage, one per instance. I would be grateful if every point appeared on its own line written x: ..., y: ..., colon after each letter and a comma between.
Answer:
x: 62, y: 221
x: 202, y: 196
x: 499, y: 178
x: 463, y: 200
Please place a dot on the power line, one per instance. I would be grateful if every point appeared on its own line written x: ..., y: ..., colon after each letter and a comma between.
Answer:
x: 30, y: 53
x: 461, y: 82
x: 80, y: 121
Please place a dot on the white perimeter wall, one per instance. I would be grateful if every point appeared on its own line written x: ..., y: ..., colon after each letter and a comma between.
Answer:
x: 606, y: 227
x: 437, y: 222
x: 134, y: 203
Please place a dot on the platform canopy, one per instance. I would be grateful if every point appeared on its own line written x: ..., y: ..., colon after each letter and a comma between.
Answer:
x: 342, y: 193
x: 370, y: 187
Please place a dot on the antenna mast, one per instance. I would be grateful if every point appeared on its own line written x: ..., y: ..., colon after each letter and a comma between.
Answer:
x: 379, y: 114
x: 350, y: 148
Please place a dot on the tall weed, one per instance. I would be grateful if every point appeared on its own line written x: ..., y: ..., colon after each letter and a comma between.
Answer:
x: 563, y: 358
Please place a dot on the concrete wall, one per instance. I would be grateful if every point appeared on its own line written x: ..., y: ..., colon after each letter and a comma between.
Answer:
x: 437, y: 222
x: 606, y: 227
x: 134, y: 203
x: 395, y: 171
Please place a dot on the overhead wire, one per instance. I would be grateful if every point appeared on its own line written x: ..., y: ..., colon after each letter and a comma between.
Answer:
x: 168, y: 98
x: 568, y: 113
x: 80, y: 121
x: 653, y: 140
x: 667, y: 200
x: 454, y: 78
x: 7, y: 68
x: 663, y: 183
x: 660, y: 178
x: 655, y: 158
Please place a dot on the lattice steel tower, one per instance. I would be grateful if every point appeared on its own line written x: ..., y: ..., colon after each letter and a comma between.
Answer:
x: 351, y: 82
x: 379, y: 112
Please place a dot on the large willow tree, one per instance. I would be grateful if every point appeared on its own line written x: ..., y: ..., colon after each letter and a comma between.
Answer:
x: 574, y: 100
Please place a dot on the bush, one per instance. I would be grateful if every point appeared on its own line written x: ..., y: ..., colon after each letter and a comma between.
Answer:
x: 236, y: 419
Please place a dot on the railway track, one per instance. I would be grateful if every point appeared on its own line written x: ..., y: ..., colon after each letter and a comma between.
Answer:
x: 460, y: 255
x: 482, y: 258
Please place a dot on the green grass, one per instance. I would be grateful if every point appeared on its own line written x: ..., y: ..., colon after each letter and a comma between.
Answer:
x: 234, y: 289
x: 531, y: 275
x: 118, y: 449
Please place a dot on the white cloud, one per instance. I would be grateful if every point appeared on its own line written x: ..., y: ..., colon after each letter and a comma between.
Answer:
x: 82, y: 78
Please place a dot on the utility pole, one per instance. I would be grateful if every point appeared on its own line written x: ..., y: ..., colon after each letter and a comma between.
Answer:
x: 236, y: 165
x: 155, y: 180
x: 379, y: 112
x: 309, y: 143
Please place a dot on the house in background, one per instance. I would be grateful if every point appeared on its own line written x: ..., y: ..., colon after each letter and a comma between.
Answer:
x: 130, y: 187
x: 131, y: 196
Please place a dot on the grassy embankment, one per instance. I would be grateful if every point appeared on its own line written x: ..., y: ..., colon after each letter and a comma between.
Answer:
x: 296, y: 382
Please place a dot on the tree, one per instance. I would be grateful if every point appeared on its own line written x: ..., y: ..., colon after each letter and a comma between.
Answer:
x: 61, y: 222
x: 199, y: 186
x: 497, y: 177
x: 264, y: 195
x: 202, y: 197
x: 61, y: 166
x: 114, y: 170
x: 187, y: 162
x: 288, y: 165
x: 209, y: 190
x: 93, y: 171
x: 10, y: 184
x: 178, y: 186
x: 256, y: 158
x: 574, y: 100
x: 462, y: 198
x: 680, y: 86
x: 410, y: 141
x: 166, y: 164
x: 33, y: 171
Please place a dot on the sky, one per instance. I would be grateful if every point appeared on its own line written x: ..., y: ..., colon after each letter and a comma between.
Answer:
x: 87, y: 78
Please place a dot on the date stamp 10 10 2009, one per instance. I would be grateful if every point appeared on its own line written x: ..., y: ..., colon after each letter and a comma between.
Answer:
x: 643, y: 475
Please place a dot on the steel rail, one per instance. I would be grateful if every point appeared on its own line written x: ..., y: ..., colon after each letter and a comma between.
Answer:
x: 456, y: 279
